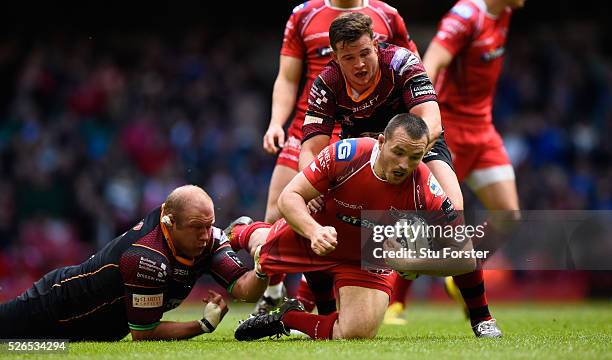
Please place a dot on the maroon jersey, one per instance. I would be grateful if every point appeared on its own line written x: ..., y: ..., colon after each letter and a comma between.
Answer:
x: 129, y: 283
x: 401, y: 84
x: 307, y: 38
x: 344, y: 173
x: 476, y: 40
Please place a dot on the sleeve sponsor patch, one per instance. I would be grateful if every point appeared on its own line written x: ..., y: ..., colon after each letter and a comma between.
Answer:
x: 463, y: 11
x: 403, y: 60
x: 299, y: 7
x: 345, y: 149
x: 421, y: 86
x: 434, y: 186
x: 147, y: 301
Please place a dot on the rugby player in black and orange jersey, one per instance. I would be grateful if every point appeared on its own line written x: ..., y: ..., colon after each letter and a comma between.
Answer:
x: 128, y: 285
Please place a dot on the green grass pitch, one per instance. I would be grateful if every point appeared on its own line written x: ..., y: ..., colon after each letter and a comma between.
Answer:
x: 540, y: 331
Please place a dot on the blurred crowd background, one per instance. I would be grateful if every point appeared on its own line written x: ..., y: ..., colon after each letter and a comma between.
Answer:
x: 106, y: 108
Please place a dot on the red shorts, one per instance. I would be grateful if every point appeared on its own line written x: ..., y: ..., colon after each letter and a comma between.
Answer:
x: 287, y: 252
x: 289, y: 155
x: 478, y: 153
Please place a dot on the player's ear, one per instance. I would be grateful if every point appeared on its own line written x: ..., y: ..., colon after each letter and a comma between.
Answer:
x: 167, y: 220
x: 381, y: 140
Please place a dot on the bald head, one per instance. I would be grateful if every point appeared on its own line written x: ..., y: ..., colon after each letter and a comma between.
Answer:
x: 185, y: 198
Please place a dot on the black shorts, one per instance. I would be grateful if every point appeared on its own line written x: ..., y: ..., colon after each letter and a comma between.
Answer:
x: 34, y: 315
x: 439, y: 152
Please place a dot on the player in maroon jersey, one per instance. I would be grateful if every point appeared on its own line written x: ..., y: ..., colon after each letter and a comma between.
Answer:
x: 128, y: 285
x: 465, y: 60
x: 306, y: 43
x: 390, y: 169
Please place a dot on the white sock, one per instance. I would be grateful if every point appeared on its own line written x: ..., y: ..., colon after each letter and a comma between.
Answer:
x: 274, y: 291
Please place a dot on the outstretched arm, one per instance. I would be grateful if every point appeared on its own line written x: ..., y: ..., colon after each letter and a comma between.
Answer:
x: 214, y: 311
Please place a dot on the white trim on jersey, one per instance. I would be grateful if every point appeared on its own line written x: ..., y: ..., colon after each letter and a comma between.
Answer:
x: 363, y: 5
x: 482, y: 177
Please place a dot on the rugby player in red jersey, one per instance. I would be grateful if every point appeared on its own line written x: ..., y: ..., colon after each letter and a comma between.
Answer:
x: 464, y: 60
x: 363, y: 87
x: 390, y: 169
x: 306, y: 44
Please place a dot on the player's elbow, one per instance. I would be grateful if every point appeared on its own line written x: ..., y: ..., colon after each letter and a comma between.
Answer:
x: 142, y: 335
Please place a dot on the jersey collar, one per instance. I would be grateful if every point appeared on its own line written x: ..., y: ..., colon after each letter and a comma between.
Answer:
x: 365, y: 94
x: 180, y: 259
x: 365, y: 4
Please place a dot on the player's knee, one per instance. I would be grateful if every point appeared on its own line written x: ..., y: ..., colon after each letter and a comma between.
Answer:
x: 362, y: 328
x: 359, y: 332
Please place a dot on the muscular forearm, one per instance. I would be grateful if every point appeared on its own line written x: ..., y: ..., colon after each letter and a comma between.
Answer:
x: 249, y: 287
x: 294, y: 210
x: 284, y: 97
x: 310, y: 149
x: 169, y: 330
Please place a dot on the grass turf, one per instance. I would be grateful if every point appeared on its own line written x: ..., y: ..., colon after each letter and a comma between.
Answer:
x: 542, y: 331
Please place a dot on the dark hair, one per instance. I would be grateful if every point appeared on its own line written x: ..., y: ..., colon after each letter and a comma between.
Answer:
x: 414, y: 126
x: 349, y: 27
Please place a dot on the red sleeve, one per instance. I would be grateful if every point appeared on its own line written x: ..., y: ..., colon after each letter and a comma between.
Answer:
x: 320, y: 171
x: 293, y: 43
x: 457, y: 28
x: 319, y: 119
x: 438, y: 206
x: 145, y: 276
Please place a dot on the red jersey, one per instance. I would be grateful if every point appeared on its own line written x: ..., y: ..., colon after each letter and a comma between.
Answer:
x: 402, y: 84
x: 344, y: 173
x: 476, y: 39
x: 307, y: 38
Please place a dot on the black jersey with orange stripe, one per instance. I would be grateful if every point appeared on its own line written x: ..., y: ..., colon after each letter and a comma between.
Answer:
x: 133, y: 280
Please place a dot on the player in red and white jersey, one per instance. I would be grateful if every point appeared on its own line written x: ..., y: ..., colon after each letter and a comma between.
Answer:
x: 390, y: 169
x: 465, y: 60
x: 306, y: 43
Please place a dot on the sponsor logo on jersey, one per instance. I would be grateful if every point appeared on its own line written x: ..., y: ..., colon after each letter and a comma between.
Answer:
x: 434, y: 186
x: 353, y: 220
x: 463, y: 11
x: 493, y: 54
x: 366, y: 105
x: 147, y: 301
x: 313, y: 167
x: 449, y: 210
x: 324, y: 158
x: 309, y: 119
x: 347, y: 205
x: 324, y: 51
x: 345, y: 149
x: 299, y: 7
x: 422, y: 86
x: 180, y: 272
x: 232, y: 255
